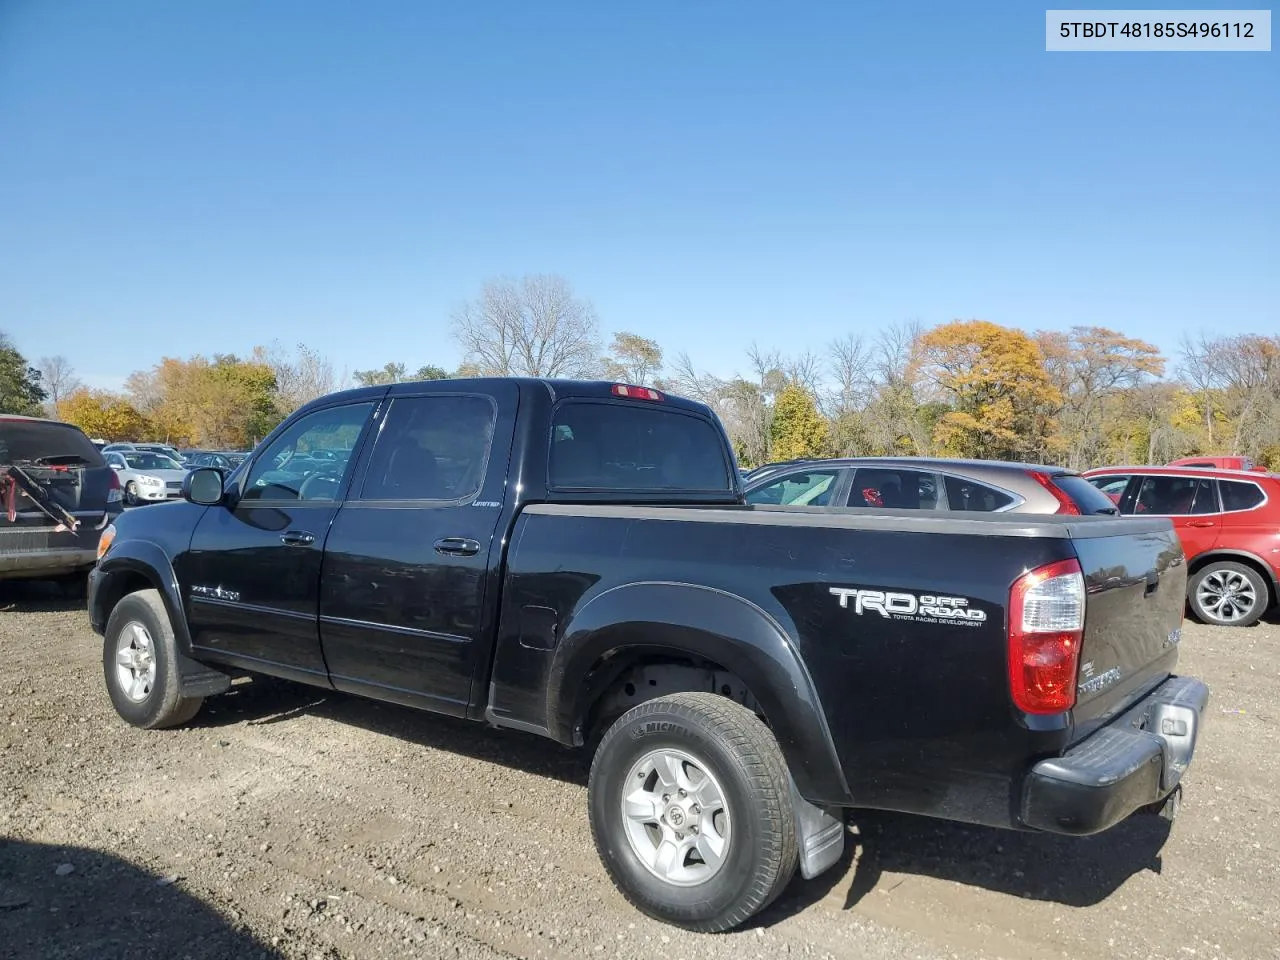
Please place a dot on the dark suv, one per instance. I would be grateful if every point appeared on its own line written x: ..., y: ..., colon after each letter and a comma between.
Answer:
x: 50, y: 473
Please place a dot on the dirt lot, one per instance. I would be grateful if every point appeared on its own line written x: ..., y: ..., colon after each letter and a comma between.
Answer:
x: 293, y: 823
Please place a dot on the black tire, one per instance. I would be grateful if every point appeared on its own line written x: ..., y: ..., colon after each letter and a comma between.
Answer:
x: 741, y: 754
x: 160, y: 703
x: 131, y: 494
x: 1210, y: 580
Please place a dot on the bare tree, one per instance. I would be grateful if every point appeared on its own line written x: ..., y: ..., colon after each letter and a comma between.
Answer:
x: 532, y: 327
x: 850, y: 370
x: 301, y: 378
x: 1200, y: 369
x: 58, y: 377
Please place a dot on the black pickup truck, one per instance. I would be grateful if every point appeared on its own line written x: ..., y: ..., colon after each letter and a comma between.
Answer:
x: 576, y: 560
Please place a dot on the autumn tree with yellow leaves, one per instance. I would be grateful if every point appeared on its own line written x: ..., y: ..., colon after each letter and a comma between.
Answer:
x: 993, y: 379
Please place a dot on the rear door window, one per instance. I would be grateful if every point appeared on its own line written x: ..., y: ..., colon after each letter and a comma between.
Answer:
x: 1176, y: 496
x: 599, y: 445
x: 431, y: 448
x: 807, y: 488
x: 894, y: 489
x: 1238, y: 495
x: 964, y: 494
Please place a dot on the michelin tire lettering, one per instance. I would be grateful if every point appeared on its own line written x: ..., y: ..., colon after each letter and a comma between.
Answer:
x: 899, y: 605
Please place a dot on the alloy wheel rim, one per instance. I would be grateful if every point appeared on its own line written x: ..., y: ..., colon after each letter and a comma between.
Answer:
x: 675, y: 817
x: 1226, y: 596
x: 135, y: 660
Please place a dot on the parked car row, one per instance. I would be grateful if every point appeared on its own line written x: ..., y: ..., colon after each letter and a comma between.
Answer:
x: 1226, y: 510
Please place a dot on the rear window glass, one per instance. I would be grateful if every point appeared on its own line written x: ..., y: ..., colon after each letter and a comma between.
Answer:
x: 635, y: 446
x: 1237, y: 495
x: 1087, y: 498
x: 970, y: 495
x: 44, y: 441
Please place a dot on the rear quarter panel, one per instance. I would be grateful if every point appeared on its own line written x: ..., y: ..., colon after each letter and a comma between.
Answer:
x: 918, y: 707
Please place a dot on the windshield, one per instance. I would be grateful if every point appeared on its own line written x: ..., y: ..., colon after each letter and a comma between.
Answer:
x: 150, y: 461
x: 34, y: 441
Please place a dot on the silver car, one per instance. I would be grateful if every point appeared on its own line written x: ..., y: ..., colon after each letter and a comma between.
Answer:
x: 926, y: 483
x: 146, y: 477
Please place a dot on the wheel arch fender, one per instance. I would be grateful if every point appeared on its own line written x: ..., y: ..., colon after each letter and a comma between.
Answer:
x: 129, y: 562
x: 690, y: 620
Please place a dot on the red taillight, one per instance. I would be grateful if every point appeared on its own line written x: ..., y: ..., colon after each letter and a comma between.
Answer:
x: 1065, y: 503
x: 1046, y: 626
x: 635, y: 393
x: 114, y: 493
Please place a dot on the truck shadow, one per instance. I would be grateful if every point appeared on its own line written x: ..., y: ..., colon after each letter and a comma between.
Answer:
x: 105, y: 907
x: 881, y: 846
x: 1073, y: 871
x: 266, y: 701
x: 41, y: 596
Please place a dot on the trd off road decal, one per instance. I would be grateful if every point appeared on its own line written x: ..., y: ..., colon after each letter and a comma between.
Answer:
x: 920, y: 607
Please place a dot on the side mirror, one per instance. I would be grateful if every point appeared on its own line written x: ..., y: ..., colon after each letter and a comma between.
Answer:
x: 116, y: 466
x: 203, y: 485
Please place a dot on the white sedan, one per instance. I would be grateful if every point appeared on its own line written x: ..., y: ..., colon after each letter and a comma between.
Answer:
x: 147, y: 477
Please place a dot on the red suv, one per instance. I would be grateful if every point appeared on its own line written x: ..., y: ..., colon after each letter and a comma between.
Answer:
x: 1229, y: 524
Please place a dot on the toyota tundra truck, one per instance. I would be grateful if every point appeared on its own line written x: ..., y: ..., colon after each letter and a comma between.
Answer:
x: 576, y: 560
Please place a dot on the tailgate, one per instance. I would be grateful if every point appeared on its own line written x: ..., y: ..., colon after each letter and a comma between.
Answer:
x: 1136, y: 583
x: 81, y: 491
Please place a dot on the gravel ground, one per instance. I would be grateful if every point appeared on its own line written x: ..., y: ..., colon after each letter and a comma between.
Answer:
x: 293, y: 823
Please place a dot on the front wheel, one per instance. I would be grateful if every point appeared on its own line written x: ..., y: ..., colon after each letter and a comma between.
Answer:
x: 1228, y: 594
x: 140, y: 664
x: 690, y: 811
x: 131, y: 494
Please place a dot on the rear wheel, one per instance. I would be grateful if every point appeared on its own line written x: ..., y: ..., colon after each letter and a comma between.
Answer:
x: 140, y: 664
x: 690, y: 810
x: 1228, y: 594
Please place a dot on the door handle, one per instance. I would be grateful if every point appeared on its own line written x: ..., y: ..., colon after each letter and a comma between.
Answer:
x: 1200, y: 523
x: 457, y: 546
x: 297, y: 538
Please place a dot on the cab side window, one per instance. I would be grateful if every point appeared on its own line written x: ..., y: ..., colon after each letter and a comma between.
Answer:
x: 311, y: 459
x: 431, y: 448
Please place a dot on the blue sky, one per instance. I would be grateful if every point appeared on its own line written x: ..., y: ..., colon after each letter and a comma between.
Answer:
x: 203, y: 176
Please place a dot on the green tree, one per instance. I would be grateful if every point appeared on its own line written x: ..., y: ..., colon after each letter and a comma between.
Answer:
x: 633, y: 359
x: 20, y: 389
x: 398, y: 373
x: 797, y: 429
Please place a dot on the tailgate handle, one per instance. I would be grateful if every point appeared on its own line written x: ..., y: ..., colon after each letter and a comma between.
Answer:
x: 1153, y: 584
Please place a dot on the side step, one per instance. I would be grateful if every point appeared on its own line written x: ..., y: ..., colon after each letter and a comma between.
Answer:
x: 199, y: 680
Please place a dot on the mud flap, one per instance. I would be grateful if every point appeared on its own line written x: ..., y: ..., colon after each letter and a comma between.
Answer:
x: 819, y: 834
